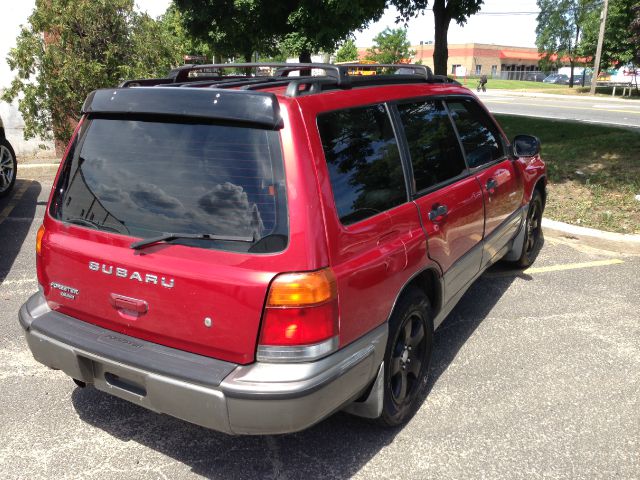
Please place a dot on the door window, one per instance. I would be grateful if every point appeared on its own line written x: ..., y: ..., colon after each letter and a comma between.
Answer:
x: 364, y: 163
x: 435, y: 152
x: 480, y: 138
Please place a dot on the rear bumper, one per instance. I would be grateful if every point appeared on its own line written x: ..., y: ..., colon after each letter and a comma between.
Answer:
x: 261, y: 398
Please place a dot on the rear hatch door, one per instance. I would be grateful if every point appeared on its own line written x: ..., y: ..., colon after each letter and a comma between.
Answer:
x: 137, y: 175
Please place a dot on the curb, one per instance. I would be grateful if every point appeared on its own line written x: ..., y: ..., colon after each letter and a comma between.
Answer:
x: 615, y: 242
x: 37, y: 165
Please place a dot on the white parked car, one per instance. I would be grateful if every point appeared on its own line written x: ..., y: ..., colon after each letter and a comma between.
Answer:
x: 8, y: 164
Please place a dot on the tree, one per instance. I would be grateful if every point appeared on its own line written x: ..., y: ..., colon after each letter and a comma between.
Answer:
x: 618, y: 47
x: 314, y: 26
x: 234, y: 27
x: 443, y: 12
x: 299, y: 27
x: 173, y: 23
x: 347, y: 52
x: 390, y: 46
x: 635, y: 34
x: 559, y: 29
x: 71, y: 47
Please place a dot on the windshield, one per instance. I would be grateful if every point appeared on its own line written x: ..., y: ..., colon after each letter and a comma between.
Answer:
x: 146, y: 178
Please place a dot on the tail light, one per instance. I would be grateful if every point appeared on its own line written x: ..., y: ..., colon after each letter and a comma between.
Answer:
x: 39, y: 236
x: 300, y: 320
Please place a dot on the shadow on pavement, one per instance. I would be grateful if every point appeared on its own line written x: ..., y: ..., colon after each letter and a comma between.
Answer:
x: 14, y: 228
x: 338, y: 447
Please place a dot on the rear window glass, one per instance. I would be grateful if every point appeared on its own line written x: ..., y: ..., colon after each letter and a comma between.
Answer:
x: 364, y: 162
x: 147, y: 178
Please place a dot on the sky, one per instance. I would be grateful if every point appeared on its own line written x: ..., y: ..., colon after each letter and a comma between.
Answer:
x: 504, y: 22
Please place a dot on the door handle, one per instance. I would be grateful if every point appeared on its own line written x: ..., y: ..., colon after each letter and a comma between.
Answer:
x: 438, y: 212
x: 128, y: 304
x: 492, y: 185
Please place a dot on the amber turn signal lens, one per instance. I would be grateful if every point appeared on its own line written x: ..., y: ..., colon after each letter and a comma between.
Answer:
x: 39, y: 236
x: 302, y: 289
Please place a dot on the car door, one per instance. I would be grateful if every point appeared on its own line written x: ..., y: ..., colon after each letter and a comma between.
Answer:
x: 502, y: 186
x: 449, y: 199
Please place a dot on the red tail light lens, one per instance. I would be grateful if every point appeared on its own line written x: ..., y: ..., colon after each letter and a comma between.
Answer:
x: 299, y: 326
x: 301, y: 311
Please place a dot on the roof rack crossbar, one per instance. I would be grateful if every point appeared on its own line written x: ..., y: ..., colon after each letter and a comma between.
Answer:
x: 181, y: 74
x: 335, y: 76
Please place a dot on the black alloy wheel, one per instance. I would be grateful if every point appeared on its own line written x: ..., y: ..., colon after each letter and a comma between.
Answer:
x: 407, y: 357
x: 8, y: 168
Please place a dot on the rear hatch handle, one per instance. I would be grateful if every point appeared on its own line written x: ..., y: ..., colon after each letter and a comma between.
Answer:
x: 167, y: 237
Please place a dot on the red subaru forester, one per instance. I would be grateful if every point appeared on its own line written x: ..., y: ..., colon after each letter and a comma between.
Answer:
x: 254, y: 253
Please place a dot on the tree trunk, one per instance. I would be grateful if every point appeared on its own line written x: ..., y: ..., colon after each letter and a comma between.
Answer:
x: 248, y: 56
x: 573, y: 64
x: 305, y: 57
x: 440, y: 49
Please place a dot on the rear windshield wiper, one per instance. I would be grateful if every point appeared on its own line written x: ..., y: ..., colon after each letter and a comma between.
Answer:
x: 89, y: 223
x: 167, y: 237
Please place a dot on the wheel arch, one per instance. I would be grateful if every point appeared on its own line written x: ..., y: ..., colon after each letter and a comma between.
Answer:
x: 541, y: 186
x: 428, y: 281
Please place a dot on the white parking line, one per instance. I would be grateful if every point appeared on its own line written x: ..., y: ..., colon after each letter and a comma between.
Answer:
x: 23, y: 281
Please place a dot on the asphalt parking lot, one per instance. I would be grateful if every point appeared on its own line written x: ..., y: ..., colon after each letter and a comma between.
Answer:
x: 535, y: 374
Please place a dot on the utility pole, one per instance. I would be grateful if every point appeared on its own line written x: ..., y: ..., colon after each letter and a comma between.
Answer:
x: 596, y: 66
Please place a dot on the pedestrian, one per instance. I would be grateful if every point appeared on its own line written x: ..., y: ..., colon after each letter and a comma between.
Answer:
x: 482, y: 83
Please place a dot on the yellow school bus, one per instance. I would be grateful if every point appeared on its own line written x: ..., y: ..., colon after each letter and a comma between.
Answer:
x: 359, y: 70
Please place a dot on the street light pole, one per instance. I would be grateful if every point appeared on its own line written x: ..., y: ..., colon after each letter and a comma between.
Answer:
x: 596, y: 66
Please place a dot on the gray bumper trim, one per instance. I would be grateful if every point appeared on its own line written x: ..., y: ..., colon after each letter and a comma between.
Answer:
x: 261, y: 398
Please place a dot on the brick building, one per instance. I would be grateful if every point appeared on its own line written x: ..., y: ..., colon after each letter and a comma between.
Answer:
x: 479, y: 58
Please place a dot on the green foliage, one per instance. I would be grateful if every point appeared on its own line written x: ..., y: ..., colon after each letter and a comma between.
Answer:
x: 390, y: 46
x: 560, y: 27
x: 618, y: 47
x: 635, y: 34
x: 173, y: 24
x: 87, y: 44
x: 298, y: 27
x: 314, y: 26
x: 347, y: 52
x: 234, y: 27
x: 458, y: 10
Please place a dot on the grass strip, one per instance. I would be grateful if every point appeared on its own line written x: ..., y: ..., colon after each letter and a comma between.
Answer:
x: 594, y: 171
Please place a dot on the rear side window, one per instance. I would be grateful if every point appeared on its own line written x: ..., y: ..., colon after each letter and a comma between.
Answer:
x: 435, y: 151
x: 363, y: 160
x: 147, y: 178
x: 480, y: 137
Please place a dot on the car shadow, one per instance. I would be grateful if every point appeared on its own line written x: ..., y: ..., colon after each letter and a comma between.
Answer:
x: 17, y: 212
x: 337, y: 447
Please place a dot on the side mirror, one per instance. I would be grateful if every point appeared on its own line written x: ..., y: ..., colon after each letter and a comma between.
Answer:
x: 525, y: 146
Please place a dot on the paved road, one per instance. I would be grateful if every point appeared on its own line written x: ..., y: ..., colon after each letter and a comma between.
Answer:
x: 587, y: 109
x: 535, y: 374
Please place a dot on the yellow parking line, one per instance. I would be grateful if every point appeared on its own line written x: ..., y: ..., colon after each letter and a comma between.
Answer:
x: 553, y: 268
x: 14, y: 201
x: 573, y: 266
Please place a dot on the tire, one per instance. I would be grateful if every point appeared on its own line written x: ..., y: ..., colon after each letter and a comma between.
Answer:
x: 533, y: 231
x: 8, y: 168
x: 407, y: 357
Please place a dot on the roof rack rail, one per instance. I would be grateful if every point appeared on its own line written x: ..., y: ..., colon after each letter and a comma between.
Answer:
x: 335, y: 76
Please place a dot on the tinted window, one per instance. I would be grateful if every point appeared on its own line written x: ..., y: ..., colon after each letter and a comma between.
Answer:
x: 364, y: 162
x: 146, y: 178
x: 480, y: 138
x: 435, y: 151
